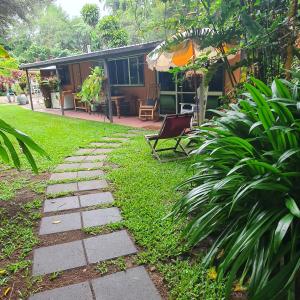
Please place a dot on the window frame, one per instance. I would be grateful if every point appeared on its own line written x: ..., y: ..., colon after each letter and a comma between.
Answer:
x: 129, y: 84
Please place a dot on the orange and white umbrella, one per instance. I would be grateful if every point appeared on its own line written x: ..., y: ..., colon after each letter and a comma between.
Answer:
x: 178, y: 56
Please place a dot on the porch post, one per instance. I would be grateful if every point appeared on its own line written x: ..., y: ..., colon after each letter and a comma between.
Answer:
x: 61, y: 98
x: 106, y: 72
x: 29, y: 88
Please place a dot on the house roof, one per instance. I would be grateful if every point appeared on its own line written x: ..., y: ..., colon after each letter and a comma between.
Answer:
x: 101, y: 54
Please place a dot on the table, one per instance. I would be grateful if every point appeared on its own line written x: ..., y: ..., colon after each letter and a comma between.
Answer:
x: 116, y: 100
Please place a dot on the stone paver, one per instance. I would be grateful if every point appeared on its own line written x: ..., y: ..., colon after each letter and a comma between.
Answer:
x: 80, y: 291
x: 74, y: 166
x: 61, y: 188
x: 132, y: 284
x: 76, y: 186
x: 91, y: 173
x: 107, y: 246
x: 85, y: 158
x: 95, y: 199
x: 99, y: 217
x: 93, y: 151
x: 60, y: 223
x: 75, y: 175
x: 114, y: 139
x: 64, y: 203
x: 92, y: 185
x: 58, y: 258
x: 108, y: 145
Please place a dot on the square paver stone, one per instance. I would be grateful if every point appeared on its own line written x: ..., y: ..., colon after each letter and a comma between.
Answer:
x: 62, y: 187
x: 91, y: 165
x: 92, y: 185
x: 80, y: 291
x: 102, y: 150
x: 115, y: 139
x: 91, y: 173
x: 95, y: 199
x: 107, y: 246
x: 64, y: 175
x: 58, y: 258
x: 60, y: 223
x: 132, y: 284
x: 99, y: 217
x: 52, y: 205
x: 93, y: 158
x: 78, y: 158
x: 62, y: 167
x: 84, y: 151
x: 109, y: 145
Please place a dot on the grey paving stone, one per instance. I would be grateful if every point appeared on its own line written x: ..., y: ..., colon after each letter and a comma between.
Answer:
x: 62, y: 187
x: 62, y: 167
x: 94, y: 199
x: 78, y: 158
x: 108, y: 145
x: 114, y: 139
x: 52, y: 205
x: 92, y: 185
x: 99, y: 217
x: 91, y: 165
x: 92, y: 158
x: 102, y: 150
x: 107, y: 246
x: 84, y: 151
x: 62, y: 176
x: 91, y: 173
x: 60, y: 223
x: 132, y: 284
x: 80, y: 291
x: 58, y: 258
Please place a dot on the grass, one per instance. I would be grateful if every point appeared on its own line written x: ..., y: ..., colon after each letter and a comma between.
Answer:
x: 144, y: 189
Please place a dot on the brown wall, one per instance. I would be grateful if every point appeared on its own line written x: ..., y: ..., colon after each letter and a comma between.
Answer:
x: 237, y: 74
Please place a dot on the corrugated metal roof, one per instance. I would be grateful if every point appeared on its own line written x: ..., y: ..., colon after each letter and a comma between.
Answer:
x: 107, y: 53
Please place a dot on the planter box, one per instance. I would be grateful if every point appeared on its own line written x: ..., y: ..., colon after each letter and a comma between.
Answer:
x: 68, y: 103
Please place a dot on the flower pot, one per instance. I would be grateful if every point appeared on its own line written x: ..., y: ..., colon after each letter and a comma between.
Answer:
x: 22, y: 99
x: 55, y: 96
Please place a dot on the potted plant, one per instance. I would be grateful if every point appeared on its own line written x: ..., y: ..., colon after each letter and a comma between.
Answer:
x: 92, y: 88
x: 20, y: 90
x: 46, y: 92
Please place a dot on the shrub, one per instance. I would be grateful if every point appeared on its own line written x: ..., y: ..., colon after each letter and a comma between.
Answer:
x: 246, y: 191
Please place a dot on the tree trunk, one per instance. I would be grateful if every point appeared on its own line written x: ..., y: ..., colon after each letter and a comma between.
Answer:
x: 289, y: 49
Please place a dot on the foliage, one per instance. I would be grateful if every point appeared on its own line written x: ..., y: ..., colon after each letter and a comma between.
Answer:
x: 109, y: 34
x: 245, y: 191
x: 90, y: 14
x: 92, y: 86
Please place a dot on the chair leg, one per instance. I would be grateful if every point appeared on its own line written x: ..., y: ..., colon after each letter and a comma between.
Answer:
x: 180, y: 146
x: 153, y: 149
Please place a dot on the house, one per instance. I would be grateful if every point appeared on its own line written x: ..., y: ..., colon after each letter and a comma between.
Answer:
x: 129, y: 76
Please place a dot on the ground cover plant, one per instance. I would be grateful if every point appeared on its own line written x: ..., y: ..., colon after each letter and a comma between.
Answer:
x: 144, y: 190
x: 246, y: 192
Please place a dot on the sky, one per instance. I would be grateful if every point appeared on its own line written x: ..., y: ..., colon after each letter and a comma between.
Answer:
x: 73, y: 7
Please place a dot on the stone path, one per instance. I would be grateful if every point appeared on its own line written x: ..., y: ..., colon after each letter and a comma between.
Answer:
x: 134, y: 283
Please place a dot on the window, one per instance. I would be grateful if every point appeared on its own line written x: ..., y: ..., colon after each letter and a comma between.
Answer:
x: 64, y: 75
x: 127, y: 71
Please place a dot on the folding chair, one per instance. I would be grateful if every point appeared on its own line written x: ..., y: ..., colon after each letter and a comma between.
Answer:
x: 173, y: 127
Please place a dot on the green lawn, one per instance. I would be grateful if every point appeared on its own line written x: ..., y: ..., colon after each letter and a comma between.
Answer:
x: 145, y: 191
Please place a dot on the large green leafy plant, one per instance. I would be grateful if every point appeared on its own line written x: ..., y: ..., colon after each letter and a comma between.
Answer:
x: 92, y: 86
x: 246, y: 191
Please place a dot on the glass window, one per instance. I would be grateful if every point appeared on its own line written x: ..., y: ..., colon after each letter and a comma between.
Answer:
x: 166, y: 81
x: 127, y: 71
x: 64, y: 75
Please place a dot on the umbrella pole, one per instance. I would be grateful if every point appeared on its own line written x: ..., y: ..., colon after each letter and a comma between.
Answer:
x: 195, y: 86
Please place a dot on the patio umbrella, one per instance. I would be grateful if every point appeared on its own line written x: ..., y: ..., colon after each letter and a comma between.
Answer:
x: 162, y: 59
